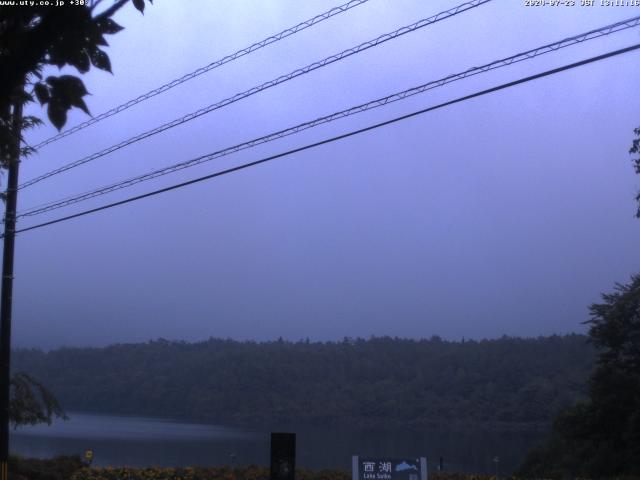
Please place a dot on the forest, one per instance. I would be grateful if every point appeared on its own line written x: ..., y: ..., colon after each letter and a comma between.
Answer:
x: 518, y: 383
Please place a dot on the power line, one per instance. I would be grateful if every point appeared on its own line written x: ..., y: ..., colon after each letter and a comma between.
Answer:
x: 252, y: 91
x: 218, y: 63
x: 529, y: 54
x: 338, y: 137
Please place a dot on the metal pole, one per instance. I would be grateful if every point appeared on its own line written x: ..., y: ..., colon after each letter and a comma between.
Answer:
x: 7, y: 289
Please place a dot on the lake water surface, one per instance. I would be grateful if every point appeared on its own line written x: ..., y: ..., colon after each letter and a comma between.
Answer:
x: 140, y: 441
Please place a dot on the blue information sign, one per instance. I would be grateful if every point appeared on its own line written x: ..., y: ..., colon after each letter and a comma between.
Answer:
x: 363, y: 468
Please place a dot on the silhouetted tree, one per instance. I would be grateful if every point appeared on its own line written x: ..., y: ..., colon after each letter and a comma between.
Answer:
x: 611, y: 418
x: 600, y: 436
x: 34, y: 37
x: 31, y: 402
x: 635, y: 149
x: 31, y: 39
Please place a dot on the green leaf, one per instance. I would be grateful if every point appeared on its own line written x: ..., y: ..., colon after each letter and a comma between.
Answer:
x: 139, y: 4
x: 73, y: 86
x: 65, y: 92
x: 30, y: 121
x: 80, y: 60
x: 101, y: 41
x: 53, y: 81
x: 108, y: 26
x: 79, y: 103
x: 57, y: 113
x: 100, y: 60
x: 26, y: 97
x: 56, y: 57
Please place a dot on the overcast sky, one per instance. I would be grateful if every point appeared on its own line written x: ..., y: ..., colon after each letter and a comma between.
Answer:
x: 506, y: 214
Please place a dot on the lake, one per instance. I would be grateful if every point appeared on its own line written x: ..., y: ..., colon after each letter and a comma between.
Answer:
x: 141, y: 441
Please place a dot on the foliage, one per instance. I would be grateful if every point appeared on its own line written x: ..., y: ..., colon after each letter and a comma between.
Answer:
x: 635, y: 149
x: 38, y: 36
x: 376, y: 382
x: 600, y: 436
x: 33, y: 37
x: 58, y: 468
x: 226, y: 473
x: 72, y: 468
x: 31, y: 402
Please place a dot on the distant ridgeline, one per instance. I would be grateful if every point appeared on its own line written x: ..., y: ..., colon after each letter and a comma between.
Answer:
x: 509, y: 382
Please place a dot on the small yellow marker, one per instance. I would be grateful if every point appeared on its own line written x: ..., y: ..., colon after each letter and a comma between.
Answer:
x: 88, y: 456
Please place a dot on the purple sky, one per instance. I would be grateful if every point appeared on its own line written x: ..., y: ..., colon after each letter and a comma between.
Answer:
x: 506, y: 214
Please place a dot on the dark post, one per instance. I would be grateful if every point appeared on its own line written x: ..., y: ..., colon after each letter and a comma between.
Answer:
x: 7, y: 289
x: 441, y: 465
x: 283, y: 456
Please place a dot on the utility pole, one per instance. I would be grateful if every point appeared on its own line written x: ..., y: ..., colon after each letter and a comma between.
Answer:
x: 11, y: 202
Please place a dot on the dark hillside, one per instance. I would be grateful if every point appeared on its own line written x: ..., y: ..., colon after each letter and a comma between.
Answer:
x: 380, y: 381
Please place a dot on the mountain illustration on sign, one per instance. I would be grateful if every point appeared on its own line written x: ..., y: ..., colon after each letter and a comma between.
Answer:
x: 401, y: 467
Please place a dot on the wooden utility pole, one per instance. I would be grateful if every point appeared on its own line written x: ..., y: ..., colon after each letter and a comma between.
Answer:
x: 11, y: 202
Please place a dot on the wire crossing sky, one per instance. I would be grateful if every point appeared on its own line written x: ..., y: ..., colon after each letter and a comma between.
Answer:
x: 508, y: 214
x: 529, y: 54
x: 207, y: 68
x: 339, y: 137
x: 272, y: 83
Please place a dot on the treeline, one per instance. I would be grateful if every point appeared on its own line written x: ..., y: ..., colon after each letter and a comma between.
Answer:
x: 375, y: 382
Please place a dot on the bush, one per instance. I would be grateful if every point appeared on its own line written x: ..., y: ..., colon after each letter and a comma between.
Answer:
x: 58, y: 468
